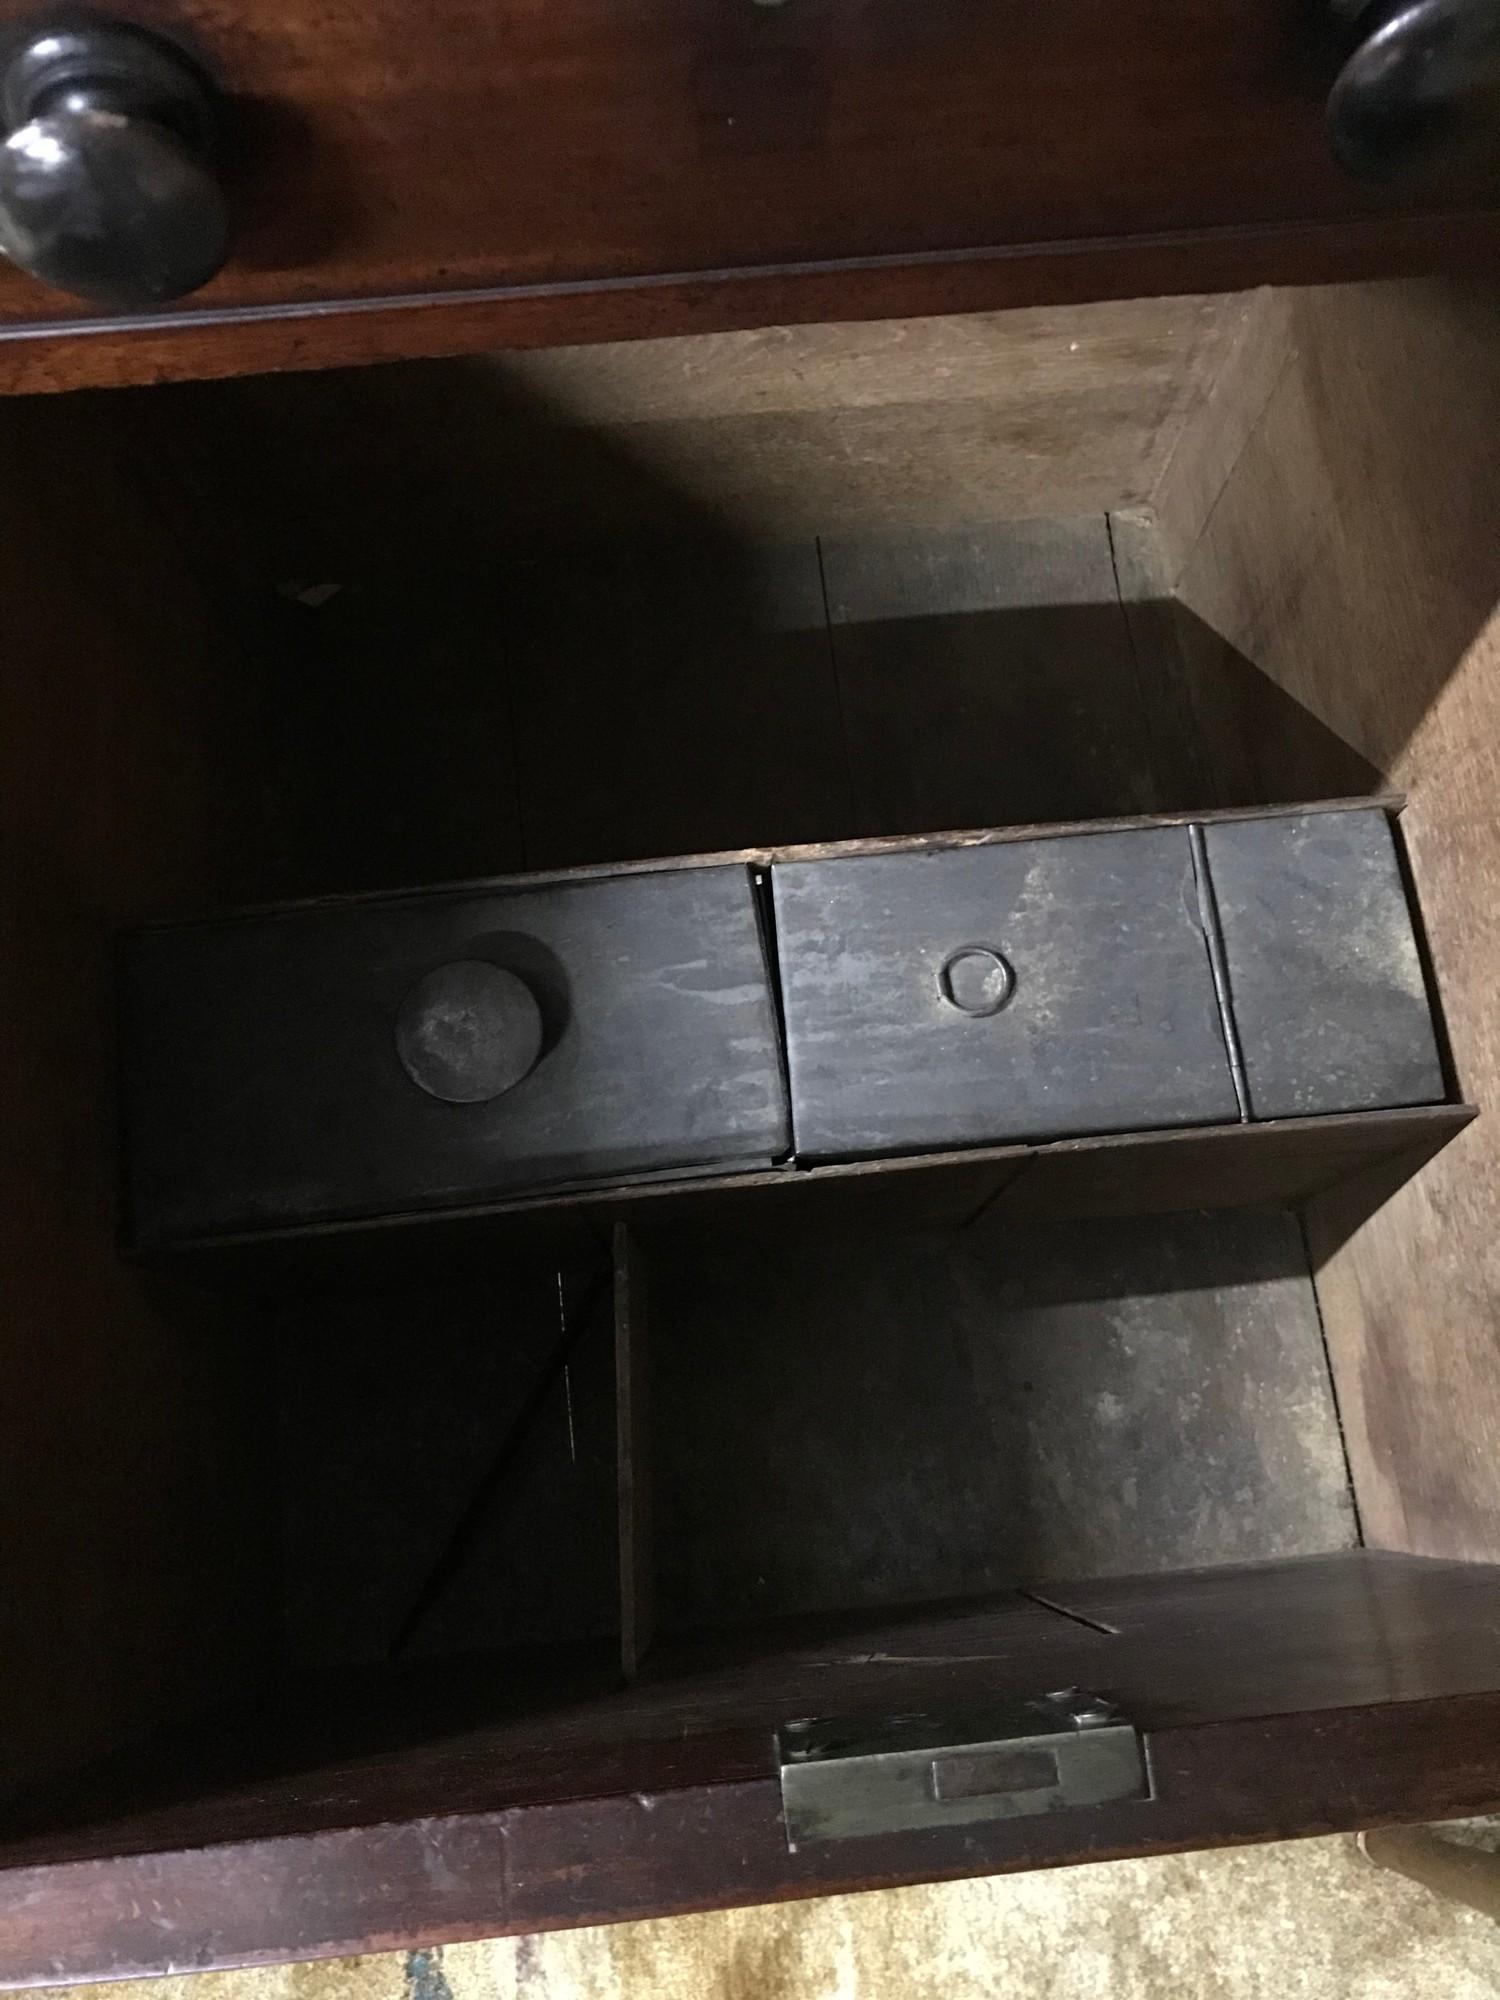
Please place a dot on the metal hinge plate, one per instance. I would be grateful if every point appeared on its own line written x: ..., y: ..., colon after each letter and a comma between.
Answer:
x: 903, y: 1773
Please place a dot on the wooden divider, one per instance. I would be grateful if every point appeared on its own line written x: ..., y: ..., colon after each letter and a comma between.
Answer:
x: 633, y: 1464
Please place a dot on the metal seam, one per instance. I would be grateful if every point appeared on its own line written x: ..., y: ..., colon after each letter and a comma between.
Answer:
x: 1213, y: 937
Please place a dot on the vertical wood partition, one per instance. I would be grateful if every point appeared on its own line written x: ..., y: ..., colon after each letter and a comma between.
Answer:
x: 1352, y: 550
x: 633, y: 1406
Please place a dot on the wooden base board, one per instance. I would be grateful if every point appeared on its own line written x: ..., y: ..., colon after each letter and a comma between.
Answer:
x: 1307, y: 1697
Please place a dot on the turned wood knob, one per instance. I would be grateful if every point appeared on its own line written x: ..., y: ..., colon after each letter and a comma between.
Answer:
x: 107, y: 188
x: 1420, y: 90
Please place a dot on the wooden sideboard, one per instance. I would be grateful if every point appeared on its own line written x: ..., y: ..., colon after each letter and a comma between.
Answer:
x: 359, y: 1599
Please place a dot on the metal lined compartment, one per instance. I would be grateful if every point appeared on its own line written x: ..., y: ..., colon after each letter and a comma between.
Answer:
x: 1027, y: 989
x: 371, y: 1057
x: 1324, y: 976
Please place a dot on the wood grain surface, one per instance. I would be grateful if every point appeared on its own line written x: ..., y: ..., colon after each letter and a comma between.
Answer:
x: 771, y: 435
x: 846, y: 429
x: 634, y: 1448
x: 474, y: 177
x: 1024, y: 699
x: 1345, y: 1691
x: 672, y: 699
x: 571, y: 702
x: 1228, y: 734
x: 1355, y: 555
x: 58, y: 354
x: 1254, y: 347
x: 135, y: 1413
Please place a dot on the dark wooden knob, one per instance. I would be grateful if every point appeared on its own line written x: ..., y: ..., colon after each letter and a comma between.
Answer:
x: 106, y: 181
x: 1421, y: 90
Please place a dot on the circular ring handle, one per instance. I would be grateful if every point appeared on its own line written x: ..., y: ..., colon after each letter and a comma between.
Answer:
x: 106, y: 183
x: 977, y: 980
x: 1421, y: 90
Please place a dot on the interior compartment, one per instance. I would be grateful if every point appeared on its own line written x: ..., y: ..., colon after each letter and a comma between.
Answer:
x: 447, y: 1468
x: 866, y: 1421
x: 448, y: 620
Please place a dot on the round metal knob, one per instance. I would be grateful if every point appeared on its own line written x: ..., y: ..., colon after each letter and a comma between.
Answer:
x: 468, y: 1032
x: 106, y: 185
x: 1421, y: 90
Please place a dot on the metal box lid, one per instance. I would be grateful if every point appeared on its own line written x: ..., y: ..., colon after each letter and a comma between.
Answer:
x: 440, y: 1049
x: 1026, y: 989
x: 1324, y: 973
